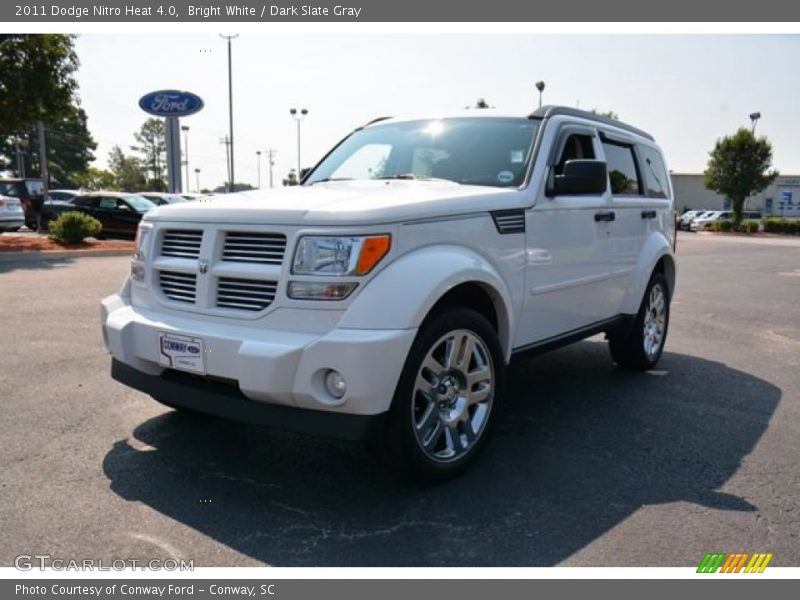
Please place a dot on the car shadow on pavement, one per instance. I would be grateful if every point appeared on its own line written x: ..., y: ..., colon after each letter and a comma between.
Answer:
x: 34, y: 264
x: 580, y: 447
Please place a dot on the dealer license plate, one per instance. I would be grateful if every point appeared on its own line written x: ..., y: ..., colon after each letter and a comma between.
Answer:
x: 181, y: 352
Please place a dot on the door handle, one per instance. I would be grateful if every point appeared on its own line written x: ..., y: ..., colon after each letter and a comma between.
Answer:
x: 608, y: 215
x: 648, y: 214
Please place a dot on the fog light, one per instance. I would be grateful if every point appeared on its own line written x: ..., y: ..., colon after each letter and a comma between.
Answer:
x: 137, y: 271
x: 335, y: 384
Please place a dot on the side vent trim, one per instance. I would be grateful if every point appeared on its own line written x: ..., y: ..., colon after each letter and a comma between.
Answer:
x: 509, y: 221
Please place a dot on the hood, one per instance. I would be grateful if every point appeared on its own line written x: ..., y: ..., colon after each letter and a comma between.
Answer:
x: 340, y: 202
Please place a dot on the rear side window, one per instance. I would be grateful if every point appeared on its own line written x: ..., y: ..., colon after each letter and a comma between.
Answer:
x: 85, y: 202
x: 655, y: 175
x: 622, y: 172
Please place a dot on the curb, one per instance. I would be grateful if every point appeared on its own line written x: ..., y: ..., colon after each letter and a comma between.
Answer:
x: 39, y: 255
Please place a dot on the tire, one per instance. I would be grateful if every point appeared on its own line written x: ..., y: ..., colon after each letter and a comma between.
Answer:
x: 639, y: 346
x: 439, y: 423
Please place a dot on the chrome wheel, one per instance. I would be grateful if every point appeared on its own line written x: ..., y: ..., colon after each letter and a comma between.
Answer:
x: 655, y: 321
x: 452, y: 395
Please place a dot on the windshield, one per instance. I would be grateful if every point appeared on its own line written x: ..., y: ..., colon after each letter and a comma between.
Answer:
x: 139, y: 203
x: 470, y: 151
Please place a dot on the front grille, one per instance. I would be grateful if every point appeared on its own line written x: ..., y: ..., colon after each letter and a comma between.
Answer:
x: 182, y: 243
x: 249, y: 247
x: 181, y: 287
x: 245, y: 294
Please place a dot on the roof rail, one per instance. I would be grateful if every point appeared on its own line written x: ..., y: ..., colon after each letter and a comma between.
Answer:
x: 545, y: 112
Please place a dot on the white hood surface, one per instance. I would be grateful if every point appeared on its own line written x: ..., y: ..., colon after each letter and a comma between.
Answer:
x: 342, y: 203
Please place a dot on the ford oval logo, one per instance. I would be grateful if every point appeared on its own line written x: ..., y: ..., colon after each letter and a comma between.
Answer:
x: 193, y: 350
x: 170, y: 103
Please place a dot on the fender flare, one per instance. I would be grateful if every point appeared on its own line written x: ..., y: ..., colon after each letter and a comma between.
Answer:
x: 656, y: 247
x: 401, y: 295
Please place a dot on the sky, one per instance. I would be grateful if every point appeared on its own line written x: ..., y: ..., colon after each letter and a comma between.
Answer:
x: 687, y: 90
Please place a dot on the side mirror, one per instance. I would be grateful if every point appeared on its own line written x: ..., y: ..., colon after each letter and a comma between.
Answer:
x: 581, y: 177
x: 303, y: 172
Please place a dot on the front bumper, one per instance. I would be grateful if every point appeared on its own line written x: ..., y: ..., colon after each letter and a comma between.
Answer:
x: 221, y: 400
x: 264, y: 366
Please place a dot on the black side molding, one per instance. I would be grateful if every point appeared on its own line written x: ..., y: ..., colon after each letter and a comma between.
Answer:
x: 570, y: 337
x: 225, y: 400
x: 648, y: 214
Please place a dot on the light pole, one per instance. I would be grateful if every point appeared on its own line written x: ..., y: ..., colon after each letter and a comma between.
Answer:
x: 540, y: 87
x: 258, y: 156
x: 298, y: 116
x: 197, y: 180
x: 754, y: 117
x: 230, y: 106
x: 185, y: 130
x: 271, y: 156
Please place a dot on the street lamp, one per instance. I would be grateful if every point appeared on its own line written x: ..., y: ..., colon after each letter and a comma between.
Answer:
x: 298, y: 116
x: 230, y: 104
x: 185, y: 130
x: 258, y: 157
x: 197, y: 180
x: 754, y: 117
x: 540, y: 87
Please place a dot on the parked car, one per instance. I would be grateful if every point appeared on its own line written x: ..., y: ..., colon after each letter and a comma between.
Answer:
x: 705, y: 221
x: 12, y: 217
x: 61, y: 195
x: 118, y: 212
x: 384, y: 297
x: 162, y: 198
x: 29, y: 192
x: 685, y: 220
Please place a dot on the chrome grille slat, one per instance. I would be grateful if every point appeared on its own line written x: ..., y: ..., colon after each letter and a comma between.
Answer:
x: 182, y: 243
x: 181, y: 287
x: 245, y: 294
x: 242, y: 246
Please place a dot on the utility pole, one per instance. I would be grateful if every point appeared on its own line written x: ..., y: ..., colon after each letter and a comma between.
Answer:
x: 271, y: 156
x: 197, y: 180
x: 227, y: 141
x: 230, y: 107
x: 43, y: 171
x: 20, y: 160
x: 185, y: 129
x: 258, y: 156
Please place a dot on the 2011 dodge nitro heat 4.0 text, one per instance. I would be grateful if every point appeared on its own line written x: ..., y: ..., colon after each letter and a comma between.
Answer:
x: 383, y: 298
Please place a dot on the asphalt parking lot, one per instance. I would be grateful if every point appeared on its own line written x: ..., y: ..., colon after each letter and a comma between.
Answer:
x: 591, y: 466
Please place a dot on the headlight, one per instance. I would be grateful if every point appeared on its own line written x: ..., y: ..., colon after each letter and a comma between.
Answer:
x: 341, y: 255
x: 142, y: 233
x: 137, y: 264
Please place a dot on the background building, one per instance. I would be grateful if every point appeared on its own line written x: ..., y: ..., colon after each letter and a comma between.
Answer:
x: 782, y: 198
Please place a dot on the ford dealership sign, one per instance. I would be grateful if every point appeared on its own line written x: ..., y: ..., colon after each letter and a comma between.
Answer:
x: 170, y: 103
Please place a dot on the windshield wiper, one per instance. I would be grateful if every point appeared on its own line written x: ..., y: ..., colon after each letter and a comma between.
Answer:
x: 331, y: 179
x: 412, y: 176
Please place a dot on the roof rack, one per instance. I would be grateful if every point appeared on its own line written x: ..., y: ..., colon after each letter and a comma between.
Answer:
x: 545, y: 112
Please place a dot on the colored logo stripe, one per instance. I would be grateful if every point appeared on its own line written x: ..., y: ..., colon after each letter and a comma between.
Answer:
x: 711, y: 562
x: 734, y: 563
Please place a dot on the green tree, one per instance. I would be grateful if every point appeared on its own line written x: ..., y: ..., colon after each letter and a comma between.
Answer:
x: 606, y: 113
x: 481, y: 103
x: 70, y: 148
x: 96, y: 179
x: 739, y: 166
x: 37, y: 79
x: 129, y: 171
x: 152, y: 145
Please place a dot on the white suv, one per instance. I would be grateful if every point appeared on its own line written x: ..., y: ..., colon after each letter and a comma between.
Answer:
x: 383, y: 298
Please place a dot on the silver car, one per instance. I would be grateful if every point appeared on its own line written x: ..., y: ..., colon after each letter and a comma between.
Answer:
x: 12, y: 216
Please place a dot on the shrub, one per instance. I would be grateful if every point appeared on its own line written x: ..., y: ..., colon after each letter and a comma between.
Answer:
x: 751, y: 226
x: 724, y: 225
x: 72, y: 227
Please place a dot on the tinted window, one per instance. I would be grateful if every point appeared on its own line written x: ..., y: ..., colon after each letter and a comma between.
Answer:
x: 655, y: 175
x: 86, y: 202
x: 622, y: 169
x: 576, y: 147
x: 107, y: 203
